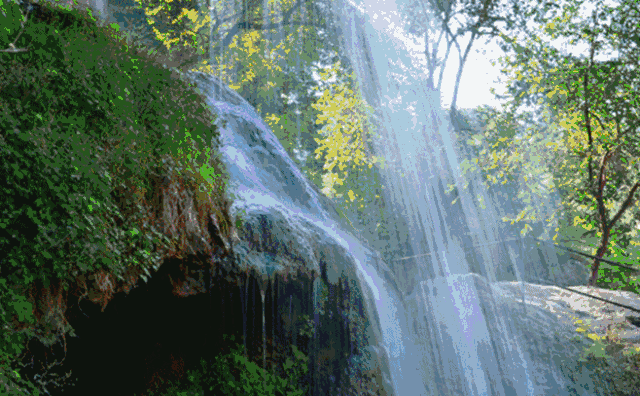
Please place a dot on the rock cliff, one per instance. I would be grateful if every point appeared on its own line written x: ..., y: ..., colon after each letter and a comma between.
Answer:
x: 265, y: 262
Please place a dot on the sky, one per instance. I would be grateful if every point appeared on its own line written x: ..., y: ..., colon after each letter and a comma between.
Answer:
x: 478, y: 75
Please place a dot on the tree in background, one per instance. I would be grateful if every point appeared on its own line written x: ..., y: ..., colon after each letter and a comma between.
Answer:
x: 486, y: 145
x: 265, y: 51
x: 451, y: 21
x: 460, y: 24
x: 589, y: 149
x: 348, y: 175
x: 283, y: 57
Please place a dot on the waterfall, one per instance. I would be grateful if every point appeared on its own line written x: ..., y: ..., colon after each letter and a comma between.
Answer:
x: 445, y: 335
x: 436, y: 326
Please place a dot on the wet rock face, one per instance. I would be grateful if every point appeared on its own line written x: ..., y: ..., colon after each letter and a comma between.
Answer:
x: 286, y: 262
x: 159, y: 331
x: 540, y: 318
x: 288, y: 228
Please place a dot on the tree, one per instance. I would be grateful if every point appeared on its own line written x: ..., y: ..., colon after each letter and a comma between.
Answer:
x: 197, y: 31
x: 591, y: 106
x: 348, y: 175
x: 428, y: 18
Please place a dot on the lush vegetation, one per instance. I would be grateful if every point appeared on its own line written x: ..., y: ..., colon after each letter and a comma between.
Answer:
x: 582, y: 147
x: 90, y: 127
x: 234, y: 374
x: 576, y: 153
x: 284, y: 58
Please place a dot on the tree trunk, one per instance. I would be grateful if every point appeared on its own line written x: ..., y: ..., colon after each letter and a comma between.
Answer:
x: 604, y: 244
x: 605, y: 225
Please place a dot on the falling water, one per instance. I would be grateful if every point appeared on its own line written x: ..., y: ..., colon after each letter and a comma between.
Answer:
x: 462, y: 345
x: 264, y: 333
x: 466, y: 347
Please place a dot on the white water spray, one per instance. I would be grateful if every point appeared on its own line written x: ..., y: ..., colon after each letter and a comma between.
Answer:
x: 462, y: 342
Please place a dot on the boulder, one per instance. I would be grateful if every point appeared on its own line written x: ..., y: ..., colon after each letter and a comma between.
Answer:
x: 286, y: 227
x: 577, y: 316
x: 525, y: 335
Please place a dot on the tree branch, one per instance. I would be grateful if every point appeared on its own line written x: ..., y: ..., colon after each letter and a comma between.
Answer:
x: 625, y: 205
x: 587, y: 120
x: 463, y: 60
x: 444, y: 61
x: 260, y: 26
x: 602, y: 180
x: 597, y: 119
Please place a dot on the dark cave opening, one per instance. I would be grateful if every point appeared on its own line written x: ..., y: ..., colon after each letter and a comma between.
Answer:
x: 150, y: 336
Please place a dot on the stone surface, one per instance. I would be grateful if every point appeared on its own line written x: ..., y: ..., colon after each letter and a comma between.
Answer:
x: 540, y: 318
x: 600, y: 317
x: 287, y: 227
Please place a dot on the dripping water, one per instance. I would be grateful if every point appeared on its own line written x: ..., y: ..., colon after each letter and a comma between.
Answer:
x: 474, y: 348
x: 264, y: 337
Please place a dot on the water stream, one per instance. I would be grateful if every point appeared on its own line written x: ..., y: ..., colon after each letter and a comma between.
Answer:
x: 441, y: 328
x: 465, y: 343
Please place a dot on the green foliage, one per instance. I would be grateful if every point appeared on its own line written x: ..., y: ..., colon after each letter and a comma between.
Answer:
x: 234, y: 374
x: 346, y: 119
x: 271, y: 66
x: 349, y: 176
x: 591, y: 103
x: 529, y: 160
x: 10, y: 20
x: 80, y: 125
x: 178, y: 26
x: 585, y: 126
x: 12, y: 342
x: 617, y: 372
x: 88, y: 128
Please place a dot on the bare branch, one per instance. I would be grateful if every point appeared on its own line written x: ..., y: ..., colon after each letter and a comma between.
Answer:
x: 597, y: 119
x: 602, y: 180
x: 587, y: 120
x: 463, y: 60
x: 444, y: 61
x: 625, y: 205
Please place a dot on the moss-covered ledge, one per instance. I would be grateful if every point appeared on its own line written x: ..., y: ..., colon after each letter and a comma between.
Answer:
x: 109, y: 167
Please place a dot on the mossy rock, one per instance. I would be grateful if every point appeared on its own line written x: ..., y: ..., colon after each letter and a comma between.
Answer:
x: 91, y: 127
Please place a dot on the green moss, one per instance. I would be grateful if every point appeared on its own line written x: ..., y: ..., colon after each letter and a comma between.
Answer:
x: 89, y: 128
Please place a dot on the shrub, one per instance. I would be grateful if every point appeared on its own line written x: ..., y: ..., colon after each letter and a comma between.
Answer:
x: 233, y: 374
x: 617, y: 373
x: 89, y: 127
